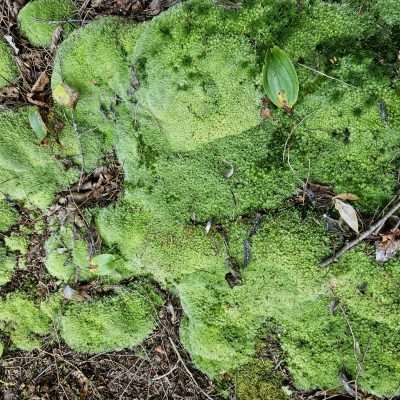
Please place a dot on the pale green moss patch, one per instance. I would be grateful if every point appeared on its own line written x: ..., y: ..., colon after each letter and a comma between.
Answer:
x: 7, y: 266
x: 112, y: 323
x: 8, y: 216
x: 198, y: 92
x: 8, y: 67
x: 23, y: 321
x: 28, y: 171
x: 40, y: 18
x: 16, y: 242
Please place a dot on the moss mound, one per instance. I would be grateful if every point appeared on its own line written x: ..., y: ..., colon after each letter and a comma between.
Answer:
x: 23, y: 321
x: 29, y: 171
x: 40, y: 18
x: 178, y: 100
x: 112, y: 323
x: 8, y: 216
x: 8, y: 68
x: 7, y: 266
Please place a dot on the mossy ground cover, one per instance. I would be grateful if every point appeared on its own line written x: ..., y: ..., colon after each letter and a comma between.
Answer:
x: 179, y: 100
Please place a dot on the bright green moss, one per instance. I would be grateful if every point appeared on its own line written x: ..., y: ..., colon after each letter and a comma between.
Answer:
x: 112, y: 323
x: 155, y: 244
x: 345, y: 141
x: 28, y: 171
x: 39, y: 19
x: 8, y: 68
x: 104, y: 86
x: 17, y: 242
x: 284, y: 284
x: 198, y: 92
x: 7, y: 266
x: 258, y: 380
x: 67, y: 255
x: 23, y: 321
x: 8, y: 216
x: 68, y: 259
x: 388, y: 10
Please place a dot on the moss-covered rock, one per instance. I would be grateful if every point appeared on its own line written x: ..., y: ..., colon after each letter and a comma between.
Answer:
x: 112, y: 323
x: 8, y: 67
x: 8, y: 216
x: 28, y: 171
x: 40, y: 18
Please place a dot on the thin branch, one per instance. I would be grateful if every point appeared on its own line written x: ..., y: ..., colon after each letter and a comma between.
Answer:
x: 372, y: 229
x: 187, y: 369
x: 326, y: 76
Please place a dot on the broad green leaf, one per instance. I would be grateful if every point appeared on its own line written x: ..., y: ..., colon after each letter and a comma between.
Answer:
x: 280, y: 80
x: 103, y: 263
x: 37, y: 124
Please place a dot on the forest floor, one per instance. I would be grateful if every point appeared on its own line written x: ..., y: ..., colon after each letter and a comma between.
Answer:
x: 158, y: 369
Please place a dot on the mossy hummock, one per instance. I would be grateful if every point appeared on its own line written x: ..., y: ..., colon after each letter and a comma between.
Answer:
x: 178, y: 99
x: 8, y: 67
x: 40, y: 18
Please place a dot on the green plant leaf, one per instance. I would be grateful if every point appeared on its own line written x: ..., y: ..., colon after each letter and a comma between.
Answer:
x: 280, y: 80
x: 37, y: 124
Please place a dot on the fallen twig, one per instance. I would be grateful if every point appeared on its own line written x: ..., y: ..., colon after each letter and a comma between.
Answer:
x: 187, y: 369
x: 372, y: 229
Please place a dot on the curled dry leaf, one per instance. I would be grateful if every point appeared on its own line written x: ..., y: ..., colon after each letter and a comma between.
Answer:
x: 347, y: 213
x: 65, y: 95
x: 347, y: 197
x: 40, y: 83
x: 388, y: 247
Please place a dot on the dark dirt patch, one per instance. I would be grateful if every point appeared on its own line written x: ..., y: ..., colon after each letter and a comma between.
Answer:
x: 153, y: 370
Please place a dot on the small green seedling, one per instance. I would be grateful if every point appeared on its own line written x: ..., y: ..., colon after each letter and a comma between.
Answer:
x: 280, y: 79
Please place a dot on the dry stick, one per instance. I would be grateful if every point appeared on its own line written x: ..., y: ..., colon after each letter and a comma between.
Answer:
x: 187, y: 370
x: 326, y: 75
x: 348, y: 246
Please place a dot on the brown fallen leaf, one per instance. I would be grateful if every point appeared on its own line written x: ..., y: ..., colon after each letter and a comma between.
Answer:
x: 347, y: 213
x: 40, y: 83
x: 388, y: 246
x: 347, y: 197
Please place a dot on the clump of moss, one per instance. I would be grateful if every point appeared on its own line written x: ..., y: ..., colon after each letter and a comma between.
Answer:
x: 8, y: 216
x: 199, y: 92
x: 67, y: 255
x: 28, y: 170
x: 7, y: 266
x: 8, y: 67
x: 104, y: 86
x: 39, y: 19
x: 16, y: 242
x: 258, y: 380
x: 111, y: 323
x: 23, y: 321
x: 68, y: 259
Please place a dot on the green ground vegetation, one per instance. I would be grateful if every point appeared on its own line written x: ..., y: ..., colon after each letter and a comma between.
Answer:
x: 178, y: 100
